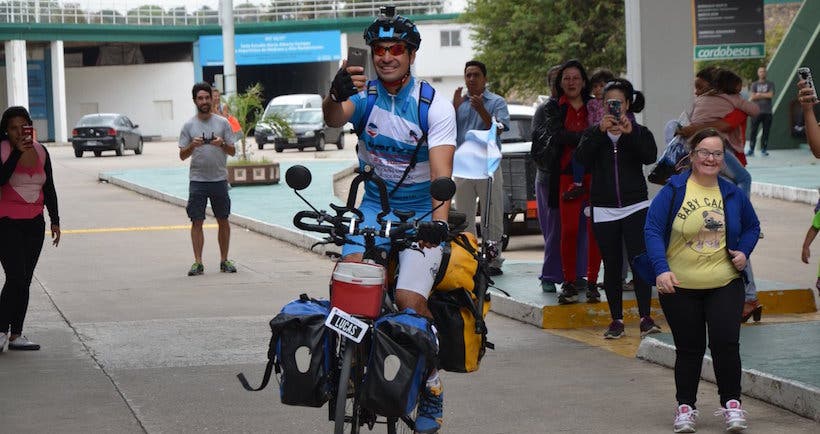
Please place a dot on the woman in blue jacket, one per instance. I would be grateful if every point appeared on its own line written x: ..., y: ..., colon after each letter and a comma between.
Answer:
x: 700, y: 231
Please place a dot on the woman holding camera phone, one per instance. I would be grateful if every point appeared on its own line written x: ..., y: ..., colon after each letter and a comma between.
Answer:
x: 615, y: 152
x: 26, y: 187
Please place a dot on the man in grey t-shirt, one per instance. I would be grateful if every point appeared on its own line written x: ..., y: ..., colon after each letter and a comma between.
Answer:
x: 761, y: 93
x: 208, y: 140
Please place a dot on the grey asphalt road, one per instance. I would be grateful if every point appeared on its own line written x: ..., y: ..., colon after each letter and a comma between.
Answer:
x: 131, y: 344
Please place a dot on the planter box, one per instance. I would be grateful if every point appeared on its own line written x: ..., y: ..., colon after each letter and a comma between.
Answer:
x: 254, y: 174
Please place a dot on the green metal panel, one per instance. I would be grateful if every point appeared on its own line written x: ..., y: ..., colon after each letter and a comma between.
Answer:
x: 147, y: 33
x: 800, y: 47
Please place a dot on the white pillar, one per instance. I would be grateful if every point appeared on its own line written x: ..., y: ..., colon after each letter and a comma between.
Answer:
x: 58, y: 92
x: 16, y: 73
x: 659, y: 58
x: 632, y: 13
x: 228, y: 47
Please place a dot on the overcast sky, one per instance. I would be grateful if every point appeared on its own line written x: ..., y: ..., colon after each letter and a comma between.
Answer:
x: 192, y: 5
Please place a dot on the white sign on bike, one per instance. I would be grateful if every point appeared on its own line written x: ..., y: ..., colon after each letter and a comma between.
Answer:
x: 343, y: 323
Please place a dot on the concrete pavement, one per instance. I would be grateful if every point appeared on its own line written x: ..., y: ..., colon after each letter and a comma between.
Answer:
x: 131, y: 344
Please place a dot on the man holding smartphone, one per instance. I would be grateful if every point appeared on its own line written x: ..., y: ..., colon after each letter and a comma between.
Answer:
x: 475, y: 111
x: 207, y: 139
x: 407, y: 156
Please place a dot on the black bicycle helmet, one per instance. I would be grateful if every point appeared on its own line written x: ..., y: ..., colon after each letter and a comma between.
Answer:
x: 391, y: 27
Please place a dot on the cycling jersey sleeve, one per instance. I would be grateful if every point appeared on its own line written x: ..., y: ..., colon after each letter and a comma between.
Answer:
x: 442, y: 123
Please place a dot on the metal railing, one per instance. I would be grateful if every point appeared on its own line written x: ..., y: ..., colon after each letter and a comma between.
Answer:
x: 141, y: 12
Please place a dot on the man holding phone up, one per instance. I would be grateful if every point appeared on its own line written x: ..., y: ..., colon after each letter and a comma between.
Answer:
x: 393, y: 141
x: 475, y: 111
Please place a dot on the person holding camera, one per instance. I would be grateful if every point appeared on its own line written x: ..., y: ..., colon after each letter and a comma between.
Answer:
x: 407, y: 158
x: 615, y: 151
x: 26, y: 187
x: 807, y: 95
x: 207, y: 139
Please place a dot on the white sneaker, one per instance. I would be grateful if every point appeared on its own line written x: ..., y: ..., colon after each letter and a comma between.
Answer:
x: 685, y: 417
x: 22, y: 343
x: 734, y: 415
x: 3, y: 339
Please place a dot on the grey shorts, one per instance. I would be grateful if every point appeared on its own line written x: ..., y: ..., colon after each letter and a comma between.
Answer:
x: 200, y: 192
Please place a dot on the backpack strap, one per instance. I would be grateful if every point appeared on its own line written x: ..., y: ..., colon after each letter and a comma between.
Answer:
x: 372, y: 93
x: 446, y: 251
x: 426, y: 95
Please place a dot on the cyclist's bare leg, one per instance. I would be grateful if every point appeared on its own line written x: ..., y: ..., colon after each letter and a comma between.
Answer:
x: 353, y: 257
x: 406, y: 298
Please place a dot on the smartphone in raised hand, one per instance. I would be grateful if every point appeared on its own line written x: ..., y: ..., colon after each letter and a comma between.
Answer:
x: 805, y: 74
x: 614, y: 108
x: 28, y: 130
x: 357, y: 57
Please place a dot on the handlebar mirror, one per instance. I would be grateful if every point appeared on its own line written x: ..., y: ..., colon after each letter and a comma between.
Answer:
x: 298, y: 177
x: 443, y: 189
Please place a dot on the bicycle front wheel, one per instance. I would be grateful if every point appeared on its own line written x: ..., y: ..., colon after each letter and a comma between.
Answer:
x: 342, y: 392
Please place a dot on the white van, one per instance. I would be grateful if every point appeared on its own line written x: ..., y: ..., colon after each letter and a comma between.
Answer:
x: 284, y: 105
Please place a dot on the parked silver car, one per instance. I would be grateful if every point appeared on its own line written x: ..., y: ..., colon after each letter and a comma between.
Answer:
x: 100, y: 132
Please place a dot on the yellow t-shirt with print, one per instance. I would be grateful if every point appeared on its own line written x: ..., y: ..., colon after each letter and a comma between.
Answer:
x: 697, y: 246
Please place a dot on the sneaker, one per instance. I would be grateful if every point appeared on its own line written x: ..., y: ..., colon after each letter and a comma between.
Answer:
x: 615, y: 330
x: 196, y: 269
x: 430, y: 411
x: 685, y: 417
x: 568, y: 294
x: 648, y: 326
x: 22, y: 343
x: 593, y: 294
x: 227, y: 266
x: 764, y: 153
x: 550, y: 286
x: 629, y: 286
x: 750, y: 154
x: 574, y: 192
x: 3, y: 339
x: 734, y: 415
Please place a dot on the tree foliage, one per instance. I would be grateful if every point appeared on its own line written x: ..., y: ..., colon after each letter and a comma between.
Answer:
x: 519, y: 40
x: 248, y: 109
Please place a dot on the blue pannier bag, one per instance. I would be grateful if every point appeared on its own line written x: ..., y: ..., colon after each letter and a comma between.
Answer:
x: 403, y: 351
x: 301, y: 351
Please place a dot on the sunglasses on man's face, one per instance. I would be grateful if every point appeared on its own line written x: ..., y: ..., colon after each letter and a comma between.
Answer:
x: 395, y: 49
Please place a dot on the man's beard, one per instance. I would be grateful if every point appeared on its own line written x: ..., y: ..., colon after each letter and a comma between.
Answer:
x: 204, y: 108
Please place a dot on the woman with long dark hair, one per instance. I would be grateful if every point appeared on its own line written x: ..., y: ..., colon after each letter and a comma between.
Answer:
x: 615, y: 152
x: 26, y: 187
x: 565, y: 119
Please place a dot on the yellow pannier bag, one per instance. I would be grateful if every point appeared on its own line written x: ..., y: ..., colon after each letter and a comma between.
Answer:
x: 459, y: 264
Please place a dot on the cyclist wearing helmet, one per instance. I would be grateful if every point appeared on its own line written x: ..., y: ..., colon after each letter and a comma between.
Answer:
x: 388, y: 141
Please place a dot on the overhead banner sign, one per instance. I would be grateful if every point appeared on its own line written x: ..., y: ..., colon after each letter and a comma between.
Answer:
x: 274, y: 48
x: 729, y: 29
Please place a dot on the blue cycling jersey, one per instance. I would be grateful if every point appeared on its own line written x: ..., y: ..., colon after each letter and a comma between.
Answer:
x: 390, y: 138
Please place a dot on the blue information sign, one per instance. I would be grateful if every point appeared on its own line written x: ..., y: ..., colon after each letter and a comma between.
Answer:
x: 274, y: 48
x: 37, y: 98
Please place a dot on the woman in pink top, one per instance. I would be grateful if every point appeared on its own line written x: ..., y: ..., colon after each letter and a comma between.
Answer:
x: 26, y: 187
